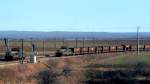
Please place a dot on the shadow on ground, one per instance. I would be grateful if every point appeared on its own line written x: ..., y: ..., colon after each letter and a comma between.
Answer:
x: 124, y: 74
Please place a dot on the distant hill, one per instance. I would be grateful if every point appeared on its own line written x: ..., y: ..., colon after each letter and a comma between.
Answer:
x: 71, y: 35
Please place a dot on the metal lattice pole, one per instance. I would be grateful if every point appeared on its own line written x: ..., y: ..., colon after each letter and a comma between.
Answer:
x: 22, y: 46
x: 138, y: 41
x: 43, y: 47
x: 76, y: 41
x: 83, y: 42
x: 63, y: 40
x: 55, y: 43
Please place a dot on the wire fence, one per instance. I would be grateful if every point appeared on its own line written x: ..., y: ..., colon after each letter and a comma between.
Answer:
x: 49, y: 46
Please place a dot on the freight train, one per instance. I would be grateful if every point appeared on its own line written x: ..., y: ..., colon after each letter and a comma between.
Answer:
x: 65, y: 51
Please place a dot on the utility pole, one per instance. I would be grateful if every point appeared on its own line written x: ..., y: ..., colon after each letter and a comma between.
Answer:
x: 93, y: 42
x: 6, y: 44
x: 76, y: 42
x: 22, y: 57
x: 63, y: 40
x: 43, y: 47
x: 138, y: 41
x: 33, y: 56
x: 83, y: 42
x: 55, y: 43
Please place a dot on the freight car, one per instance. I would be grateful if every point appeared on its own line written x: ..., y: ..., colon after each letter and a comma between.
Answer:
x: 112, y: 48
x: 92, y: 50
x: 141, y: 47
x: 127, y: 47
x: 120, y: 48
x: 146, y: 47
x: 99, y: 49
x: 105, y: 49
x: 85, y: 50
x: 76, y: 51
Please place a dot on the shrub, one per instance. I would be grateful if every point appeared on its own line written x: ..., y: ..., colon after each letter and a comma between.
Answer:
x: 47, y: 77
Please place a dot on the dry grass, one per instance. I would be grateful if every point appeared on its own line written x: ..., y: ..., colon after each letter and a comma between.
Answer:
x: 19, y: 74
x: 65, y: 70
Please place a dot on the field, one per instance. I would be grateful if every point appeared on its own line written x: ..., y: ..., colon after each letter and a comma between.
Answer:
x: 105, y: 68
x: 144, y: 58
x: 124, y: 69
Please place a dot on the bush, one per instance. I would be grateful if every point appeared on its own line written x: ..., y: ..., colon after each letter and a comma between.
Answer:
x: 47, y: 77
x: 8, y: 75
x: 66, y: 71
x: 129, y: 75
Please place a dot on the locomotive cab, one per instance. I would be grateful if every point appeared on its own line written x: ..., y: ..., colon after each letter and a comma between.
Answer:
x: 64, y: 51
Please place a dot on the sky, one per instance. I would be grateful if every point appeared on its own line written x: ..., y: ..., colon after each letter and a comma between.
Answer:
x: 75, y: 15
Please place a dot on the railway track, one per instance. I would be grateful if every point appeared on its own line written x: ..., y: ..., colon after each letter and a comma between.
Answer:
x: 43, y: 58
x: 4, y: 64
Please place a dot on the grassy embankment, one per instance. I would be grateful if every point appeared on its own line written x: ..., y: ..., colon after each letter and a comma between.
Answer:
x: 132, y: 58
x: 78, y: 70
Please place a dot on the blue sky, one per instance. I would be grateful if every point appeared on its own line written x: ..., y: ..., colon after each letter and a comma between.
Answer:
x: 75, y: 15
